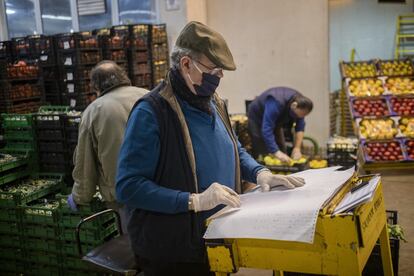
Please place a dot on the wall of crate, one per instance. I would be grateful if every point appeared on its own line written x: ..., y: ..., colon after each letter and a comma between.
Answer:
x: 380, y: 95
x: 56, y: 69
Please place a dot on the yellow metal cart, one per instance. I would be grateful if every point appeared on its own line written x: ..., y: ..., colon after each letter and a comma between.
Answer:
x: 342, y: 244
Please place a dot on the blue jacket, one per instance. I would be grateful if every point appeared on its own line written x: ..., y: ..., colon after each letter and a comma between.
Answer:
x: 271, y: 110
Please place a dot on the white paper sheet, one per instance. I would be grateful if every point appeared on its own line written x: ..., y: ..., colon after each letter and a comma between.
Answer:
x: 281, y: 215
x: 362, y: 195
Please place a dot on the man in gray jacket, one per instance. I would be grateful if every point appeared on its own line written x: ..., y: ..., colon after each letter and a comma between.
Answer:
x: 101, y: 132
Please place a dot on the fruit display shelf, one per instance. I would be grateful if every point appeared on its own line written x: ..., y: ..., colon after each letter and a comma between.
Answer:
x: 358, y: 69
x: 365, y: 87
x: 383, y: 151
x: 377, y: 129
x: 402, y: 67
x: 369, y: 107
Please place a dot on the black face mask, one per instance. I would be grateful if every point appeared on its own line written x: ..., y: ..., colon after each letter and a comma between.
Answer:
x: 209, y: 83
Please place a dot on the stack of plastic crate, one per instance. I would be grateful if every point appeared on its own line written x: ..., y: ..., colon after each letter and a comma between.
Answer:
x: 14, y: 230
x: 20, y: 137
x: 50, y: 132
x: 92, y: 234
x: 77, y: 54
x: 140, y: 56
x: 159, y: 53
x: 43, y: 50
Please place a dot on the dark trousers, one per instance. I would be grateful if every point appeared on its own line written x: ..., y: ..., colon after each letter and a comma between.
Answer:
x: 258, y: 144
x: 159, y: 268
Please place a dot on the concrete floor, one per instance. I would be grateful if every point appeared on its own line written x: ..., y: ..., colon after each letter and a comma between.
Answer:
x: 399, y: 195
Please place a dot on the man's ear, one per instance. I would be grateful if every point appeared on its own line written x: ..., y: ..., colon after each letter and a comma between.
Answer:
x: 293, y: 105
x: 185, y: 63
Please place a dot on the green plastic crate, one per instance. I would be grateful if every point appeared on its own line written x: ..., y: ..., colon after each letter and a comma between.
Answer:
x: 70, y: 248
x: 70, y: 220
x: 17, y: 120
x: 11, y: 253
x: 39, y: 244
x: 86, y: 235
x: 40, y: 231
x: 14, y: 195
x: 41, y: 212
x: 11, y: 241
x: 41, y: 257
x: 18, y: 160
x: 11, y: 176
x: 22, y: 145
x: 11, y: 267
x: 54, y: 108
x: 17, y: 134
x: 44, y: 270
x: 10, y: 214
x: 73, y: 263
x: 12, y: 228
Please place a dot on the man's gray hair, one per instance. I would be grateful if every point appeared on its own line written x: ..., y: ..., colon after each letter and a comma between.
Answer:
x: 179, y: 52
x: 106, y: 75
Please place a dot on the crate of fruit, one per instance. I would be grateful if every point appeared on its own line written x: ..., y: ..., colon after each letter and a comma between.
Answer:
x: 29, y: 189
x: 72, y: 41
x: 76, y: 87
x: 159, y: 33
x: 402, y: 106
x: 342, y: 151
x: 399, y: 86
x: 377, y: 129
x: 10, y: 159
x: 23, y: 70
x: 13, y: 121
x: 277, y: 166
x: 406, y: 126
x: 80, y: 72
x: 140, y: 36
x: 409, y: 148
x: 42, y: 211
x: 365, y: 87
x: 369, y: 107
x: 70, y: 59
x: 397, y: 67
x: 41, y: 44
x: 383, y: 151
x: 360, y: 69
x: 48, y: 120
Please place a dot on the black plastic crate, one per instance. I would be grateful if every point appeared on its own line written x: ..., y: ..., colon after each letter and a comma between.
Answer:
x: 144, y: 81
x: 76, y: 58
x: 50, y: 134
x: 140, y: 36
x: 82, y: 40
x: 15, y: 92
x: 41, y: 44
x: 341, y: 154
x: 5, y: 49
x: 76, y: 74
x: 77, y: 101
x: 48, y: 120
x: 76, y: 87
x: 52, y: 158
x: 159, y: 33
x: 374, y: 263
x: 20, y: 46
x: 50, y: 73
x: 52, y: 146
x: 27, y: 70
x: 160, y: 52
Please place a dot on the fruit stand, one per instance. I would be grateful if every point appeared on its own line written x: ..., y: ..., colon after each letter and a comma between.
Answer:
x: 380, y: 94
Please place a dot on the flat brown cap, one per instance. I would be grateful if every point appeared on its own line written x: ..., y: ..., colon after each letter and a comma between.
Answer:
x: 201, y: 38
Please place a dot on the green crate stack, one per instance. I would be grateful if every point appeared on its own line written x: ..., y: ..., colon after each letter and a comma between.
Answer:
x: 20, y: 136
x: 92, y: 234
x: 13, y: 198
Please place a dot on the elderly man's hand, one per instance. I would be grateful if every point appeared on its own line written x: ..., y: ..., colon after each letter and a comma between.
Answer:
x: 215, y: 195
x: 72, y: 204
x: 267, y: 180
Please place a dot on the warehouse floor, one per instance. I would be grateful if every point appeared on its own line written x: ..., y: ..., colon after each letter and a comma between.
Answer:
x: 399, y: 195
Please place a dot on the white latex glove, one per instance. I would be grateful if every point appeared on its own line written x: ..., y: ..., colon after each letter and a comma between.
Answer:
x: 282, y: 157
x: 215, y: 195
x: 267, y: 180
x: 296, y: 154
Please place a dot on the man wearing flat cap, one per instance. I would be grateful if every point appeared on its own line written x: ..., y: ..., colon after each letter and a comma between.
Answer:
x: 181, y: 162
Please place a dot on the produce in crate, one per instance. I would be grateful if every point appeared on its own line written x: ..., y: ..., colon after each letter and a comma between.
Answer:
x: 7, y: 158
x: 359, y: 70
x: 409, y: 145
x: 406, y: 126
x: 273, y: 161
x: 366, y: 107
x: 383, y: 151
x: 396, y: 68
x: 366, y: 87
x: 400, y: 86
x: 42, y: 207
x: 318, y: 164
x: 377, y: 129
x: 402, y: 106
x: 28, y: 186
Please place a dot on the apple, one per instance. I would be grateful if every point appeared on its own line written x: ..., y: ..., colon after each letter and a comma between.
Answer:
x: 383, y: 151
x: 374, y: 107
